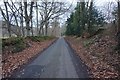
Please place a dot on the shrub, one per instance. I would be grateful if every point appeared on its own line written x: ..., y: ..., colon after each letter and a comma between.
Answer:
x: 39, y: 38
x: 19, y: 47
x: 17, y: 43
x: 88, y: 42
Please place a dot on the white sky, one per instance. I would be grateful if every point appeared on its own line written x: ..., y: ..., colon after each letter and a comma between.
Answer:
x: 102, y: 2
x: 98, y: 2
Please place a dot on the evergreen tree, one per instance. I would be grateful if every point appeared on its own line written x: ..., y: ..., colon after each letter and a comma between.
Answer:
x: 84, y: 19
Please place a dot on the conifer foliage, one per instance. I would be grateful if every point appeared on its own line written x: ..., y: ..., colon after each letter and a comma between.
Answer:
x: 85, y: 19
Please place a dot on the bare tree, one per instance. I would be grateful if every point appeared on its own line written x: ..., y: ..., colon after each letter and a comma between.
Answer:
x: 21, y: 19
x: 13, y: 17
x: 6, y: 17
x: 32, y: 26
x: 37, y: 16
x: 14, y: 10
x: 108, y: 11
x: 51, y: 10
x: 28, y: 17
x: 20, y: 12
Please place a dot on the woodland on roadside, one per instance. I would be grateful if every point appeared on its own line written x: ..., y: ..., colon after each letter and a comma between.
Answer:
x: 96, y: 38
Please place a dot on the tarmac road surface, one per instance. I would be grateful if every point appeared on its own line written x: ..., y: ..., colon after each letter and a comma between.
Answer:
x: 57, y: 61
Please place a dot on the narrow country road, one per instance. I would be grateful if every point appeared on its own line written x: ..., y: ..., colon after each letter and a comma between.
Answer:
x: 57, y: 61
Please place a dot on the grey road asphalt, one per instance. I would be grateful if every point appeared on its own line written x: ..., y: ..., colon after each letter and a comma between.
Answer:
x: 57, y: 61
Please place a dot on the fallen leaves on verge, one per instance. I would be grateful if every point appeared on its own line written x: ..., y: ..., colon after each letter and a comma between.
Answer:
x: 14, y: 61
x: 99, y: 56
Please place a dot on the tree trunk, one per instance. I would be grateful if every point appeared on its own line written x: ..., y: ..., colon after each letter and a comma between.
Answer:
x: 21, y: 22
x: 8, y: 22
x: 28, y: 18
x: 46, y: 28
x: 37, y: 18
x: 41, y: 30
x: 9, y: 29
x: 118, y: 33
x: 28, y: 28
x: 31, y: 12
x: 90, y: 16
x: 118, y: 16
x: 32, y: 27
x: 16, y: 20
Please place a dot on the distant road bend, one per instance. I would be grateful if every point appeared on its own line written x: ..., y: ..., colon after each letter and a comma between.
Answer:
x: 57, y: 61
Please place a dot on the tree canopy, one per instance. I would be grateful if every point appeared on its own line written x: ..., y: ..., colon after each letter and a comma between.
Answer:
x: 84, y: 19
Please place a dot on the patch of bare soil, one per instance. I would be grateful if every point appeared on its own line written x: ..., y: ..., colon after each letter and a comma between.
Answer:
x: 13, y: 61
x: 99, y: 55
